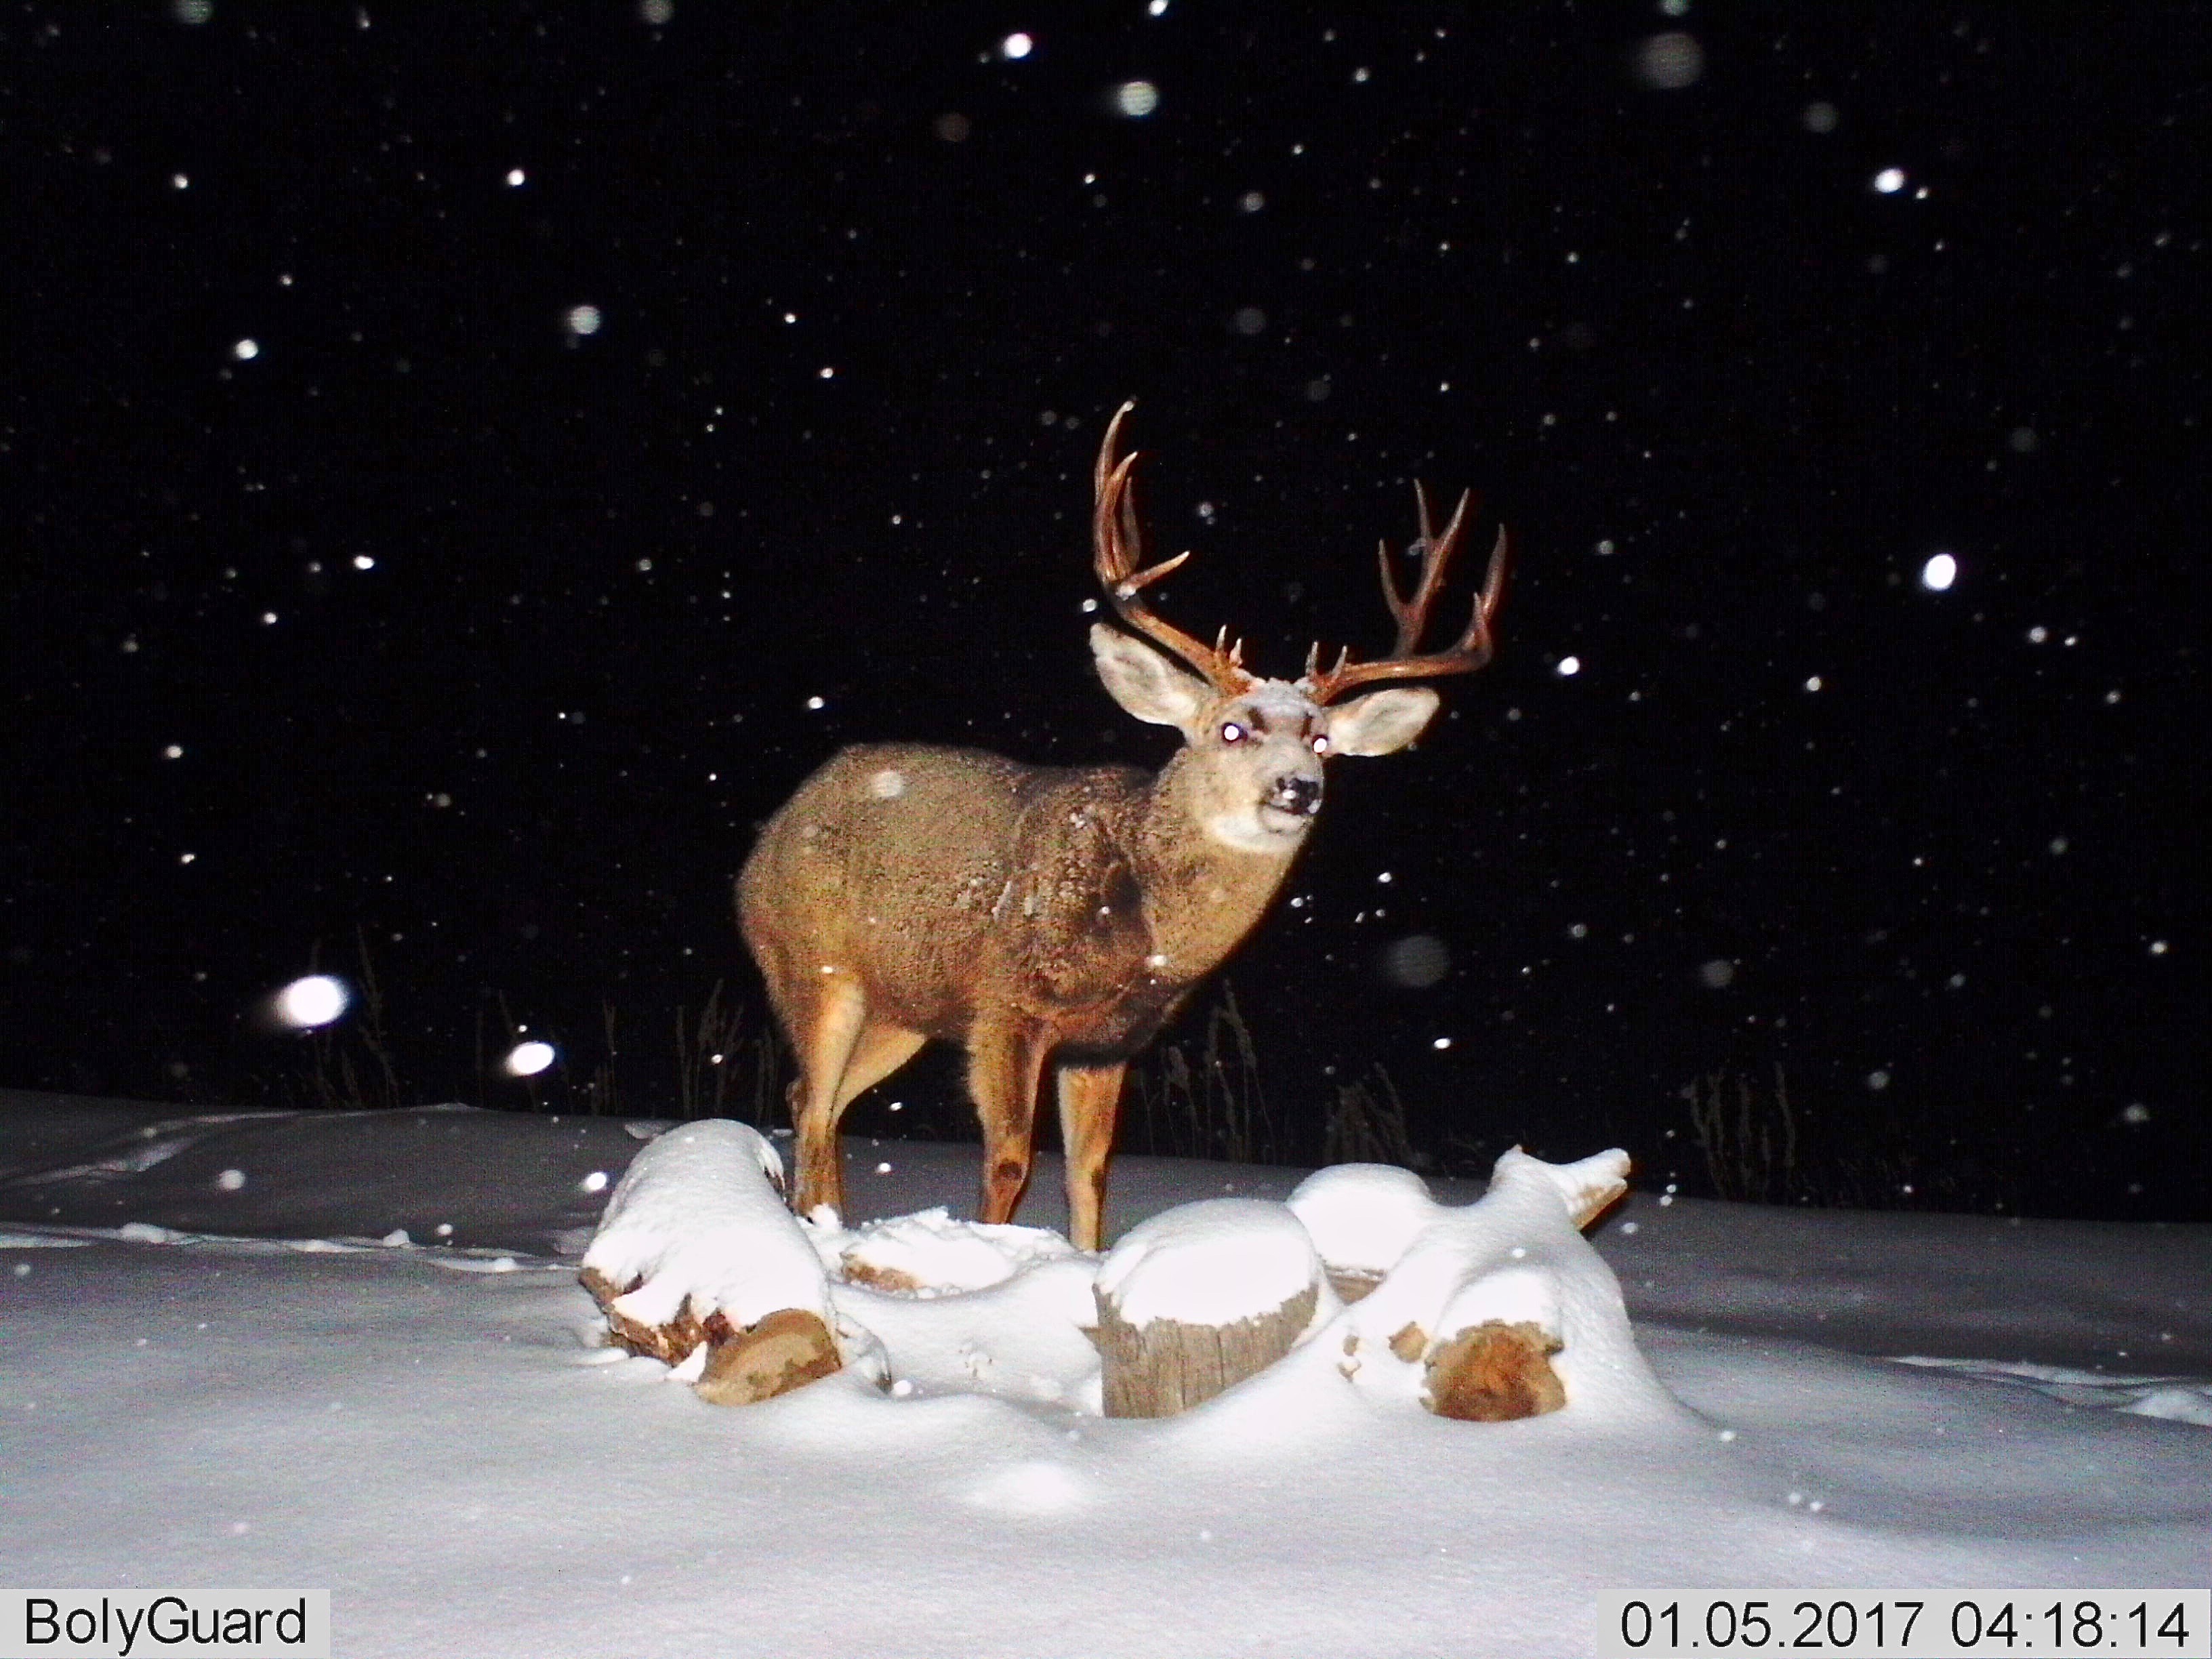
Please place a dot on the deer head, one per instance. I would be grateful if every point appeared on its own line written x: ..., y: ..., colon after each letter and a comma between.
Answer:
x: 1259, y: 743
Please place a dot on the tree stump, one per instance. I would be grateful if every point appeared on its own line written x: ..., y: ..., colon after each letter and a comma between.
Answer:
x: 1165, y: 1366
x: 1199, y: 1298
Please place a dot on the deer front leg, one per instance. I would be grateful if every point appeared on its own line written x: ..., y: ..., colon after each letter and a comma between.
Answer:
x: 1004, y: 1064
x: 841, y: 1009
x: 1090, y: 1099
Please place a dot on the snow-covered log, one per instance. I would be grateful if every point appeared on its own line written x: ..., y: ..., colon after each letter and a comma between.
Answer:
x: 928, y: 1253
x: 697, y: 1248
x: 1471, y: 1316
x: 1200, y: 1298
x: 1362, y: 1217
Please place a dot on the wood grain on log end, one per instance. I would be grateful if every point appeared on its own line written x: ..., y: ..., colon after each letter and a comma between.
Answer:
x: 1495, y: 1372
x: 787, y: 1350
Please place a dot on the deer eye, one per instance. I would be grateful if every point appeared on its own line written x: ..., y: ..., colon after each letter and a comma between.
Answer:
x: 1320, y: 742
x: 1232, y: 732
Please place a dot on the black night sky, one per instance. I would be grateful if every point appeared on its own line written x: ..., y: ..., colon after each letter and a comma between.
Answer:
x: 466, y: 464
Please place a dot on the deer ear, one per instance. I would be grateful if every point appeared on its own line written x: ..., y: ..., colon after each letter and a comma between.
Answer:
x: 1145, y: 682
x: 1382, y: 722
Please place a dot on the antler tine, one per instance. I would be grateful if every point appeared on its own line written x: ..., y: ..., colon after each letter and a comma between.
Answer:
x: 1117, y: 544
x: 1109, y: 452
x: 1412, y: 615
x: 1472, y: 649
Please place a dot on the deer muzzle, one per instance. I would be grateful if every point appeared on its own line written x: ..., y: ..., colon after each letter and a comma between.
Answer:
x: 1301, y: 797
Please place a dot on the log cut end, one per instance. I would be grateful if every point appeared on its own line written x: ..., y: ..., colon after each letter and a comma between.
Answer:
x: 783, y: 1351
x: 787, y: 1350
x: 1495, y: 1372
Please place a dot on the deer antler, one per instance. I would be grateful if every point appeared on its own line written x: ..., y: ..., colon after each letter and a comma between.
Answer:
x: 1473, y: 648
x: 1117, y: 544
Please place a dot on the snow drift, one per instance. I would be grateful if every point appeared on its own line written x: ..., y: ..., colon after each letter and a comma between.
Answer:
x: 252, y: 1387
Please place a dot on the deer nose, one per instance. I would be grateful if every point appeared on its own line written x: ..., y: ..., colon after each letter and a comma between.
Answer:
x: 1299, y: 795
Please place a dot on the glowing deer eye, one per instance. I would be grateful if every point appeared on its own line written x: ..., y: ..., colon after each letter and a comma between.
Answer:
x: 1232, y: 732
x: 1321, y: 743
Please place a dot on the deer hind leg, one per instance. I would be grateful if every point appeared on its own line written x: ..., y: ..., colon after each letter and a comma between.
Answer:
x: 825, y: 1045
x: 871, y: 1055
x: 1089, y: 1097
x: 1004, y: 1064
x: 881, y: 1050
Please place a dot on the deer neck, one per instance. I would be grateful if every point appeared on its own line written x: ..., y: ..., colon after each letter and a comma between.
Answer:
x: 1202, y: 895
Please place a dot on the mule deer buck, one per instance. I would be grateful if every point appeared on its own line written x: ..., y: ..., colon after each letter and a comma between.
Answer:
x: 1038, y: 913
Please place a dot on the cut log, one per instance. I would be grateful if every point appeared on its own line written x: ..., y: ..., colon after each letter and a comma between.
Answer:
x: 697, y: 1250
x: 1165, y: 1367
x: 1197, y: 1299
x: 671, y: 1344
x: 1351, y: 1283
x: 1494, y: 1372
x: 787, y: 1350
x: 782, y: 1351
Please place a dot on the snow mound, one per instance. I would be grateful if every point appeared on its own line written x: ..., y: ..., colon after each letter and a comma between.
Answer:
x: 929, y: 1254
x: 1022, y: 1339
x: 2177, y: 1398
x: 1037, y: 1486
x: 1363, y: 1217
x: 1515, y: 1256
x: 1210, y: 1263
x: 699, y: 1217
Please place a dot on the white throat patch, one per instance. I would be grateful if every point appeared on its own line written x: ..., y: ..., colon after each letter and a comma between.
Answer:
x: 1249, y: 831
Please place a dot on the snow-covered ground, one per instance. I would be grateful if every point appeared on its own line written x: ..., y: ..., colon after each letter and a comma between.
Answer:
x: 349, y: 1351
